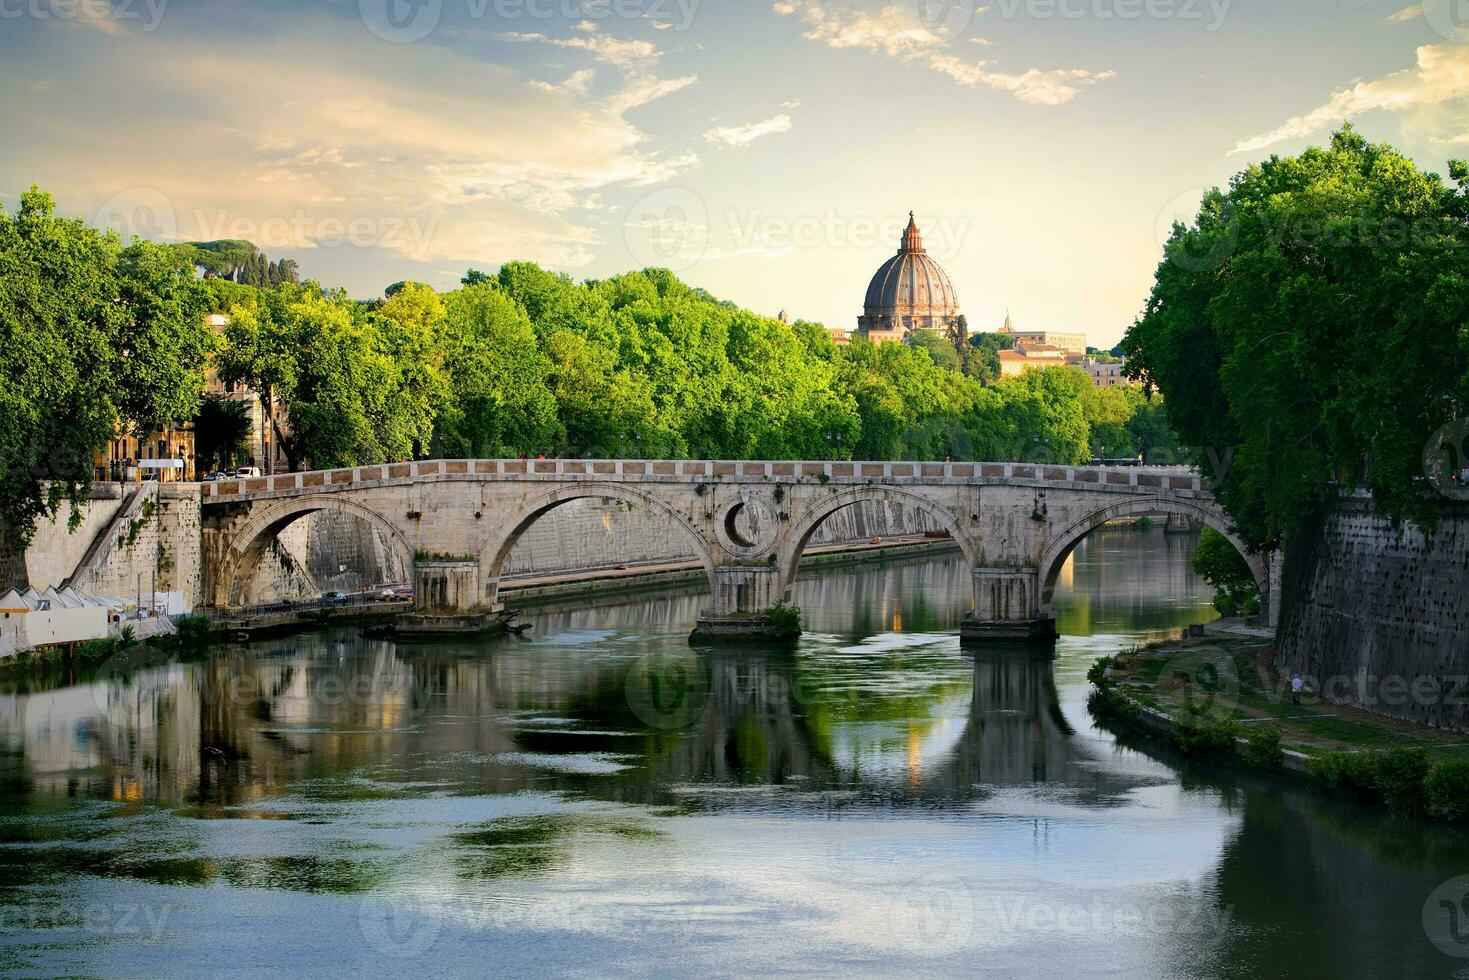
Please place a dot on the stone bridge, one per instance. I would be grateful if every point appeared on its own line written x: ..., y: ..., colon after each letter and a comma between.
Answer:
x: 455, y: 522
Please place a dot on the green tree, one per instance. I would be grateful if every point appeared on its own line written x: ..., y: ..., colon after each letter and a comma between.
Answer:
x: 1308, y: 329
x: 1220, y: 564
x: 221, y: 433
x: 160, y: 341
x: 499, y: 402
x: 58, y: 315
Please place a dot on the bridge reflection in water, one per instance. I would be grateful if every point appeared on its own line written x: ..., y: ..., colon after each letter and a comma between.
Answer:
x: 878, y: 703
x: 604, y: 783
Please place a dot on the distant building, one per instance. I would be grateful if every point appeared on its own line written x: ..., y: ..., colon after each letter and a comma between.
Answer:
x: 1107, y: 374
x: 1074, y: 344
x: 127, y: 457
x: 264, y: 450
x: 911, y: 292
x: 1014, y: 363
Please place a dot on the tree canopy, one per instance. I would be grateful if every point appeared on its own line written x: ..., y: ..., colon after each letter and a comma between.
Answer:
x: 95, y: 337
x: 1309, y: 330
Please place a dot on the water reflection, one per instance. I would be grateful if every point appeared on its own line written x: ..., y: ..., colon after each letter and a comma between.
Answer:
x: 874, y: 798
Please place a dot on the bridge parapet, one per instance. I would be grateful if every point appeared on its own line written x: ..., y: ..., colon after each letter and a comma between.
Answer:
x: 1173, y: 480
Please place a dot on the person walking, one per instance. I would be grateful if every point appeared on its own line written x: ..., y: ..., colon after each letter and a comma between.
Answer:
x: 1296, y: 685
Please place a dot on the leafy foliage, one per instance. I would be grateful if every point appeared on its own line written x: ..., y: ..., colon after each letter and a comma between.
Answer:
x: 95, y: 337
x: 1309, y: 328
x: 1221, y: 565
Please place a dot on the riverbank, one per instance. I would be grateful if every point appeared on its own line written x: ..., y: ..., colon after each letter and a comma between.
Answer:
x: 1216, y: 697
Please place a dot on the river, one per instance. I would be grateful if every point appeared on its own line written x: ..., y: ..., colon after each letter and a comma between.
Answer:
x: 598, y: 798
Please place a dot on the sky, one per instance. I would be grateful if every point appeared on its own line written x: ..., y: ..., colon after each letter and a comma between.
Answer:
x: 766, y: 150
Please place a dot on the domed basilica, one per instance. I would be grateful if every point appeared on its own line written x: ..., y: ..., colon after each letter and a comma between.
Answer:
x: 911, y: 292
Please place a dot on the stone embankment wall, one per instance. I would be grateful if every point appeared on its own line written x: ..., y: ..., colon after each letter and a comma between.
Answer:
x: 1378, y: 617
x: 130, y: 542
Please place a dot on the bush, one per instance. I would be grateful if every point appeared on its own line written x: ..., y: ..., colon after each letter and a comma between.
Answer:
x: 1395, y: 777
x: 1447, y: 789
x: 195, y: 631
x: 1197, y: 736
x: 785, y: 621
x: 1097, y: 672
x: 1401, y: 774
x: 1262, y: 748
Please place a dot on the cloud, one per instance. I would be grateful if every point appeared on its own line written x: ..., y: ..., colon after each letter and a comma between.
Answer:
x: 1409, y: 13
x: 635, y: 59
x: 627, y: 55
x: 578, y: 84
x: 417, y: 150
x: 745, y: 135
x: 1441, y: 77
x: 900, y: 32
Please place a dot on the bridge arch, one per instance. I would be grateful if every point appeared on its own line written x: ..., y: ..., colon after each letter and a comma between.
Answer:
x: 250, y: 542
x: 1063, y: 542
x: 800, y: 533
x: 497, y: 553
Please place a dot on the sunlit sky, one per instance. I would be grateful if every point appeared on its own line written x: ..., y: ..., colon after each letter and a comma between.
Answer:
x: 768, y: 151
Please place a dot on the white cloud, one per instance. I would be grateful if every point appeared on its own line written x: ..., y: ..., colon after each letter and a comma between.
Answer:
x: 1441, y: 77
x: 413, y: 149
x: 898, y: 31
x: 745, y: 135
x: 1409, y: 13
x: 578, y: 84
x: 619, y: 53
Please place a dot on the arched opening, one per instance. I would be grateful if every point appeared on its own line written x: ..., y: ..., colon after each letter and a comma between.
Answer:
x: 595, y: 526
x: 1064, y: 543
x: 938, y: 518
x: 302, y: 549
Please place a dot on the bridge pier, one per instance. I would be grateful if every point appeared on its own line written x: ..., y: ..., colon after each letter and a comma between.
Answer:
x: 1007, y: 609
x: 743, y: 599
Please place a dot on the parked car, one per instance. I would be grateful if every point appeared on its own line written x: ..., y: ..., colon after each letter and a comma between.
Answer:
x: 247, y: 472
x: 215, y: 476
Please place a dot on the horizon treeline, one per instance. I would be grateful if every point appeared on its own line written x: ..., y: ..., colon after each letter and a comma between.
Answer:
x: 102, y: 336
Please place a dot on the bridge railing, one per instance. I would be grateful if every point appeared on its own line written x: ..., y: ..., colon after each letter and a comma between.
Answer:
x: 677, y: 471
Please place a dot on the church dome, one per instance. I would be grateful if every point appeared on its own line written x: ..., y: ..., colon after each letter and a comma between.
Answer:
x: 911, y: 284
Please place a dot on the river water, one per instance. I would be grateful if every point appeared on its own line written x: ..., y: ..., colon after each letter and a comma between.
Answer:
x: 597, y: 798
